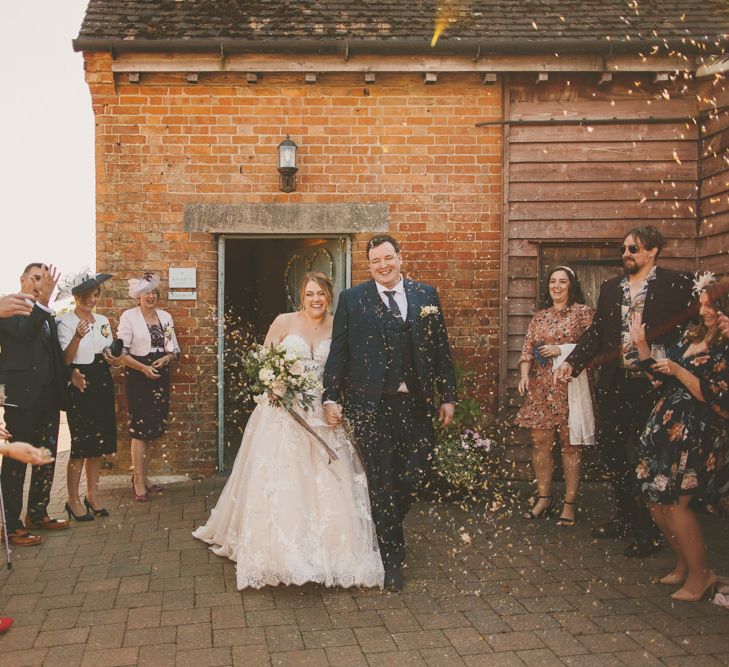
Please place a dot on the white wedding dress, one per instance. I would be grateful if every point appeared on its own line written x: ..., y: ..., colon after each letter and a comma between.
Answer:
x: 287, y: 516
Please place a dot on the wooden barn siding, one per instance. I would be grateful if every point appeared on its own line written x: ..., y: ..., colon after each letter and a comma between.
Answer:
x: 713, y: 241
x: 572, y: 183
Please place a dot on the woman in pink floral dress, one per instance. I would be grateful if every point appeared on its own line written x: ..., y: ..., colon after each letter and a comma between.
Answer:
x: 545, y: 408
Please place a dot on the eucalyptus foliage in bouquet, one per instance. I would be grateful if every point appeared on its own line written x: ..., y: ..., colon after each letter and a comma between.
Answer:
x: 281, y: 378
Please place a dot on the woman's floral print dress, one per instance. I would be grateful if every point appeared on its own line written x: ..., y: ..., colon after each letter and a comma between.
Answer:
x: 683, y: 444
x: 545, y: 405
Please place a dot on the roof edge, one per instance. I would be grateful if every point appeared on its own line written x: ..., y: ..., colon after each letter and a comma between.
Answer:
x: 395, y: 46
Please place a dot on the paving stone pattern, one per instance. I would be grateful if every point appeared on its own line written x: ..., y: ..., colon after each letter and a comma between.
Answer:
x: 483, y: 588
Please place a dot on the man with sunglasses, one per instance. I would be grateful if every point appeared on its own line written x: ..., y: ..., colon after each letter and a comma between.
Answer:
x: 665, y: 301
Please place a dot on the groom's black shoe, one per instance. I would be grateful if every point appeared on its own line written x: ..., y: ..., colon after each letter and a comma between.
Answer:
x: 394, y: 580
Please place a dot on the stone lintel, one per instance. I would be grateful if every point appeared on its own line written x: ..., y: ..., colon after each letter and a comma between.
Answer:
x: 286, y: 218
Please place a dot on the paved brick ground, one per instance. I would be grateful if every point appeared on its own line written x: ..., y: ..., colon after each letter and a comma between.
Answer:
x: 483, y: 588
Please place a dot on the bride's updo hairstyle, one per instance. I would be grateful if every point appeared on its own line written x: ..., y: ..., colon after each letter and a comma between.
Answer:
x: 321, y: 279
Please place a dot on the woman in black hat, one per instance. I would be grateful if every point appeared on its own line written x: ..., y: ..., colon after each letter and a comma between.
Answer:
x: 86, y: 339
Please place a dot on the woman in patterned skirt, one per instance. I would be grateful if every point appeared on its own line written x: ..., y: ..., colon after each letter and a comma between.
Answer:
x: 545, y: 408
x: 150, y: 344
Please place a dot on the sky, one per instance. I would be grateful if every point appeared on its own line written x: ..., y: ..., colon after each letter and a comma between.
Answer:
x: 47, y: 157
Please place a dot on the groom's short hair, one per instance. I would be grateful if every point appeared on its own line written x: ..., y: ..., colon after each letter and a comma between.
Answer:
x: 379, y: 240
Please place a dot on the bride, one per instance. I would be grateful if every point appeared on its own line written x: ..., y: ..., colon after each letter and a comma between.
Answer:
x: 287, y: 515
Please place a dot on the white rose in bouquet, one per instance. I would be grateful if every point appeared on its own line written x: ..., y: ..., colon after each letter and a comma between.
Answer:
x: 266, y: 375
x: 279, y: 388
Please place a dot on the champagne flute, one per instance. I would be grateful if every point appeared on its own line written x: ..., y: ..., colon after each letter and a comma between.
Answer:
x: 658, y: 351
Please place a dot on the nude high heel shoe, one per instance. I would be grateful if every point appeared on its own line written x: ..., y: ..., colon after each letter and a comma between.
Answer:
x: 708, y: 592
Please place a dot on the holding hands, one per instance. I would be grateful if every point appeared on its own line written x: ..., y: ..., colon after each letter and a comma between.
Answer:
x: 563, y: 373
x: 333, y: 414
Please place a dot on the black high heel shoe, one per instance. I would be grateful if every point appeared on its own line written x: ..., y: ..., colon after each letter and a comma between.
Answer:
x: 78, y: 517
x: 565, y: 520
x: 102, y: 512
x: 546, y: 512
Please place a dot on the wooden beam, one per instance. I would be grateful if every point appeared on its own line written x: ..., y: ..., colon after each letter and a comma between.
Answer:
x: 542, y: 77
x: 605, y: 77
x: 251, y: 77
x: 369, y: 77
x: 310, y: 77
x: 261, y: 62
x: 134, y: 77
x: 489, y: 79
x: 192, y: 77
x: 430, y: 78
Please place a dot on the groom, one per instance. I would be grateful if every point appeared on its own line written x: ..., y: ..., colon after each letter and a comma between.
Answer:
x: 389, y: 353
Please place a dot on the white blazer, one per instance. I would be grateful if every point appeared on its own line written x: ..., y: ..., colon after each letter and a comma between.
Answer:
x: 134, y: 333
x: 92, y: 343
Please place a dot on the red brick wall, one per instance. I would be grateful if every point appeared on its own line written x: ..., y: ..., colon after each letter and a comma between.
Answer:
x: 164, y: 143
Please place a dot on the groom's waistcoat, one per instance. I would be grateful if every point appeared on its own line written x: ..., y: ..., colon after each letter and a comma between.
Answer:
x: 400, y: 362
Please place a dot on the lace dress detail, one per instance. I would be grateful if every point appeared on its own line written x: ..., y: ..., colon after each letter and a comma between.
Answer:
x: 287, y: 516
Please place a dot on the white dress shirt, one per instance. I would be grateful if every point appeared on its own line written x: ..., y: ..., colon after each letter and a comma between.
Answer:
x: 400, y: 298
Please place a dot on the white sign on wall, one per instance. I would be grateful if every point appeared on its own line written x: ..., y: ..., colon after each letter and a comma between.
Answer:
x: 182, y: 278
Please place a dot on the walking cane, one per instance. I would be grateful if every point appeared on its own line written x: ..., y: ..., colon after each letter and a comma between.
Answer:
x: 5, y: 530
x: 3, y: 404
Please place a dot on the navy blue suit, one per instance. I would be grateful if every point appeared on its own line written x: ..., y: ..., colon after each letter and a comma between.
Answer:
x: 35, y: 379
x: 392, y: 431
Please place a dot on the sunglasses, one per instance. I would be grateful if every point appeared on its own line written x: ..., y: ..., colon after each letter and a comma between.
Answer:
x: 632, y: 249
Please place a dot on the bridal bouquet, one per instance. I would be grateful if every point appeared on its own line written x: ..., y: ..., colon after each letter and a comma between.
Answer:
x: 280, y: 377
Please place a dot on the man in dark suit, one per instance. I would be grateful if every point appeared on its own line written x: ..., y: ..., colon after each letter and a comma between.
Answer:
x: 664, y: 300
x: 32, y: 370
x: 389, y: 354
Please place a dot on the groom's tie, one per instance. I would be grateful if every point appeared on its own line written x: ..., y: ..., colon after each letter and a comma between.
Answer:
x: 392, y: 304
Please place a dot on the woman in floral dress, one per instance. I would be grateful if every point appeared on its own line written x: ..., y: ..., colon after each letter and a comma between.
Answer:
x: 681, y: 446
x: 545, y: 408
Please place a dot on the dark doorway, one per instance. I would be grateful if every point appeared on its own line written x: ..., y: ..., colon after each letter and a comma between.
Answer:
x: 261, y: 281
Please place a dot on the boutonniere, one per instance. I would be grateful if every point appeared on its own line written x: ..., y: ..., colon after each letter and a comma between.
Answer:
x: 167, y: 330
x: 427, y: 311
x: 105, y: 332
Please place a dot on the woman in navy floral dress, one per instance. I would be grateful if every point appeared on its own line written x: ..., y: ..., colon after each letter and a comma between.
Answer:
x: 681, y: 446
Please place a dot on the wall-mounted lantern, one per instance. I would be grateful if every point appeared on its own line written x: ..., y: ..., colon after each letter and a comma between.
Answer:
x: 287, y: 165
